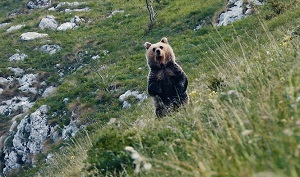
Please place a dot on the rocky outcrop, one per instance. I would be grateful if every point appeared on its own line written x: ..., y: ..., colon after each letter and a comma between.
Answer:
x: 29, y: 139
x: 236, y: 10
x: 32, y: 35
x: 48, y: 22
x: 16, y: 71
x: 16, y: 104
x: 37, y: 4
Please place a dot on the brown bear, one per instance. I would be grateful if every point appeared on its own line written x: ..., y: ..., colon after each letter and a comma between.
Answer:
x: 167, y: 82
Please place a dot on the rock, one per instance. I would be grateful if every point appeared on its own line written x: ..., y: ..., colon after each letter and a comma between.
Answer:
x: 2, y: 25
x: 111, y: 121
x: 29, y: 139
x: 49, y: 91
x: 115, y: 12
x: 96, y: 57
x: 201, y: 24
x: 77, y: 10
x: 16, y: 71
x: 14, y: 28
x: 17, y: 103
x: 66, y: 100
x: 234, y: 13
x: 32, y: 35
x: 77, y: 20
x: 26, y: 83
x: 139, y: 96
x: 32, y: 131
x: 51, y: 49
x: 71, y: 4
x: 54, y: 134
x: 6, y: 81
x: 48, y: 22
x: 18, y: 57
x: 49, y: 157
x: 66, y: 26
x: 36, y: 4
x: 236, y: 10
x: 69, y: 131
x: 10, y: 159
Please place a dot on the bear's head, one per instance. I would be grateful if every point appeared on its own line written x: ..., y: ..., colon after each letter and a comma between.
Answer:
x: 159, y: 54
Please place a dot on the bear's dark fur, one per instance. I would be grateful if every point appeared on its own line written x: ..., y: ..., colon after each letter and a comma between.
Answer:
x: 167, y: 82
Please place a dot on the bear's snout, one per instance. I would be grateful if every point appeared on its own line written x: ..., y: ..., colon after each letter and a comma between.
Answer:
x: 158, y: 52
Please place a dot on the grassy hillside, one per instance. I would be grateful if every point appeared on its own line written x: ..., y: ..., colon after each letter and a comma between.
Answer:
x: 244, y: 85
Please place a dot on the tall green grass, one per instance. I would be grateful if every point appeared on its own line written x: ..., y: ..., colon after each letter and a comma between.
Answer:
x: 250, y: 125
x: 246, y: 125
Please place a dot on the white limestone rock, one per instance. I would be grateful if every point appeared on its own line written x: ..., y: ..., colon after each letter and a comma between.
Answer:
x: 14, y: 28
x: 32, y: 35
x: 18, y: 57
x: 69, y: 130
x: 50, y: 49
x: 16, y: 71
x: 48, y: 22
x: 37, y: 4
x: 237, y: 10
x: 2, y: 25
x: 66, y: 26
x: 49, y: 91
x: 77, y: 20
x: 10, y: 106
x: 26, y: 83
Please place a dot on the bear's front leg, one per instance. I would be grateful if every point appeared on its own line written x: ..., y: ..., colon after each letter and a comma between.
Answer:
x: 181, y: 84
x: 154, y: 87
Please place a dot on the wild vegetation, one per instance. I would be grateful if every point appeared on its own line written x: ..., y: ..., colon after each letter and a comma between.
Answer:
x: 244, y: 86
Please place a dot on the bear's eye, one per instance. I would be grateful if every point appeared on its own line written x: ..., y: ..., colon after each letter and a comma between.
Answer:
x: 161, y: 47
x: 154, y: 49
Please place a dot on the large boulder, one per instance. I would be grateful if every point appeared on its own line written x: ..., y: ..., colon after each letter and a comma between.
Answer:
x: 48, y: 22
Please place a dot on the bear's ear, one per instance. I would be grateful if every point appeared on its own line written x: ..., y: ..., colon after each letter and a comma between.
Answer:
x: 147, y: 45
x: 164, y: 40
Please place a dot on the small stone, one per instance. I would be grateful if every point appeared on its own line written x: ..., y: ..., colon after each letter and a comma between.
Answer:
x: 51, y: 49
x: 14, y: 28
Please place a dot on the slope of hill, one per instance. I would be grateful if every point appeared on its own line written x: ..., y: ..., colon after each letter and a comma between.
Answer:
x: 61, y: 110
